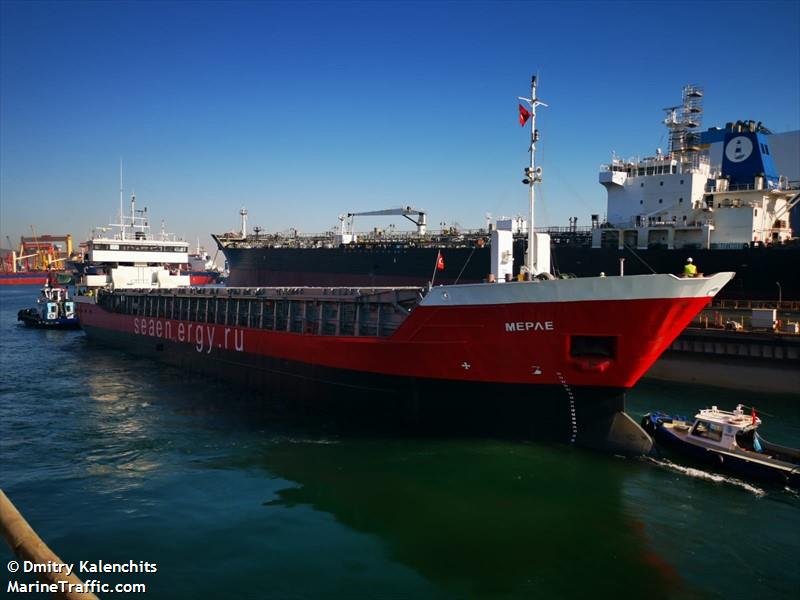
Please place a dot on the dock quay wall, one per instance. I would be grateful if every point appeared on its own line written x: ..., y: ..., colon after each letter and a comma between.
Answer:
x: 754, y: 361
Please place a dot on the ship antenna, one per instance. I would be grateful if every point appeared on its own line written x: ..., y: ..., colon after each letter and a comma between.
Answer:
x: 133, y: 213
x: 121, y: 215
x: 533, y: 175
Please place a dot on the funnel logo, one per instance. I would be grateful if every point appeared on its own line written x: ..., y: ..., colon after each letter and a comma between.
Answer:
x: 738, y: 149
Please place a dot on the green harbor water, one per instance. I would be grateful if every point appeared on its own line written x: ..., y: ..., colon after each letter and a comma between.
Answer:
x: 117, y: 458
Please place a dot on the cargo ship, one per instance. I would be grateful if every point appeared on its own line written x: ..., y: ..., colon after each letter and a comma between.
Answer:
x: 542, y: 357
x: 715, y: 196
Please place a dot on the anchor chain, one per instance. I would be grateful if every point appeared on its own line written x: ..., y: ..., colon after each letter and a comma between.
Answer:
x: 573, y: 415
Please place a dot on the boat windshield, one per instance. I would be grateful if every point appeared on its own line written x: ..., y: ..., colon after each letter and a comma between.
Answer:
x: 710, y: 431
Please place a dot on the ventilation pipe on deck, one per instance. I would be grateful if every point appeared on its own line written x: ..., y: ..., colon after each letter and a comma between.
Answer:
x: 502, y: 254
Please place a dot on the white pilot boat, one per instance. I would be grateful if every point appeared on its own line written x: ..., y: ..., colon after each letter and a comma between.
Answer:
x: 729, y: 441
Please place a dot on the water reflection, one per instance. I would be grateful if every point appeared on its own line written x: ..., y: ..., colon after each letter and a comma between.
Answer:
x: 475, y: 518
x: 124, y: 446
x: 481, y: 518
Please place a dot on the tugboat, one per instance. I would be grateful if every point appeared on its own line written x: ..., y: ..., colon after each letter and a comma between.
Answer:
x: 54, y: 309
x: 728, y: 440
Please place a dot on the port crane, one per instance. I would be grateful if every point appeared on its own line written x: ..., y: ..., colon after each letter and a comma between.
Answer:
x: 41, y: 248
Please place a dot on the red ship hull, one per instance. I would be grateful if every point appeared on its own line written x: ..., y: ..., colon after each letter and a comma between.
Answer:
x: 203, y: 277
x: 506, y: 349
x: 452, y: 344
x: 24, y: 278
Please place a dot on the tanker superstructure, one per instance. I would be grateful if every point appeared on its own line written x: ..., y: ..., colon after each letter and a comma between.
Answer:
x: 715, y: 196
x: 544, y: 358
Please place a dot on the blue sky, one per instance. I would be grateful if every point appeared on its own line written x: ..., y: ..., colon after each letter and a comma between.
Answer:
x: 301, y: 111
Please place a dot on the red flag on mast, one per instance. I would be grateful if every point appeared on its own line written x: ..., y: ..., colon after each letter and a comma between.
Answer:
x: 524, y: 115
x: 755, y: 416
x: 439, y: 261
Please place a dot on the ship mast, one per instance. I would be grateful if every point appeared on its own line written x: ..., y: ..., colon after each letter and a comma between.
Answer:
x: 532, y: 174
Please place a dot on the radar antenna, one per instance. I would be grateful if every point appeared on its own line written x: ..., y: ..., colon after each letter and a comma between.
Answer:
x: 683, y: 122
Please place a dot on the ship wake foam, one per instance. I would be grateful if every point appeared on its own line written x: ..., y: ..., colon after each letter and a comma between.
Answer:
x: 700, y: 474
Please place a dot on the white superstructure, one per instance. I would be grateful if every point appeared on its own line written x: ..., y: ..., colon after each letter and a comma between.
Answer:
x: 715, y: 189
x: 127, y: 255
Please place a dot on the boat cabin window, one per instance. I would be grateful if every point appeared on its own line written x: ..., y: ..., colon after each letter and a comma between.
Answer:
x: 710, y: 431
x: 746, y: 439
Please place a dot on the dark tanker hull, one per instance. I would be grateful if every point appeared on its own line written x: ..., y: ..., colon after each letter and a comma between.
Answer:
x: 358, y: 266
x: 758, y: 270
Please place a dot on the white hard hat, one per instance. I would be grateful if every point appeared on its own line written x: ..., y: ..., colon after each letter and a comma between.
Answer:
x: 689, y: 259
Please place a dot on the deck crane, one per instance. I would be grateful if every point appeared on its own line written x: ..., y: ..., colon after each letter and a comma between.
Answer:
x: 405, y: 211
